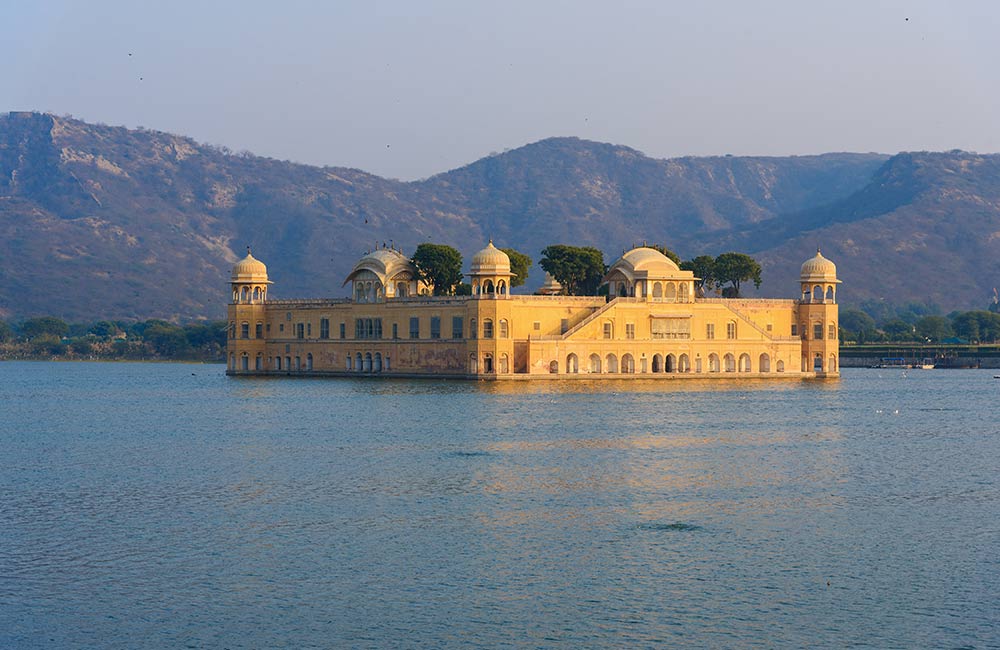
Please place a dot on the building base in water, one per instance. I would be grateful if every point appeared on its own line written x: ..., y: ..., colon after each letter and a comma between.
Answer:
x: 651, y: 325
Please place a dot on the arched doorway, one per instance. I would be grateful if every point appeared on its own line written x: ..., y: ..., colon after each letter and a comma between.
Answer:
x: 572, y: 364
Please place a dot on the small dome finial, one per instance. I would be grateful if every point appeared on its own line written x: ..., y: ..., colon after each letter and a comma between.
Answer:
x: 248, y: 250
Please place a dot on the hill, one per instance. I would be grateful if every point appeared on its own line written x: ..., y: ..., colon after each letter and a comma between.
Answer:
x: 100, y: 221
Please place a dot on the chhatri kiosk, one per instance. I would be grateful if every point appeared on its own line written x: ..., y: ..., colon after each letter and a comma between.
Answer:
x: 652, y: 325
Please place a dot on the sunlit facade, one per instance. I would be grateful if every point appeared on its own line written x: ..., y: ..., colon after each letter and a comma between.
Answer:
x: 651, y: 325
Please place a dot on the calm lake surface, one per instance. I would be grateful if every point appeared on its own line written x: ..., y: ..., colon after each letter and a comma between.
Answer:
x: 167, y: 506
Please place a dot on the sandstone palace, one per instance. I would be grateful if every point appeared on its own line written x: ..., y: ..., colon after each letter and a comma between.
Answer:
x: 651, y: 325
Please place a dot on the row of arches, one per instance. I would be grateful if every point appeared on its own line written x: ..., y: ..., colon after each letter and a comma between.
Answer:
x: 656, y: 291
x: 488, y: 288
x: 368, y: 362
x: 819, y: 293
x: 490, y: 365
x: 661, y: 364
x: 249, y: 293
x: 819, y: 364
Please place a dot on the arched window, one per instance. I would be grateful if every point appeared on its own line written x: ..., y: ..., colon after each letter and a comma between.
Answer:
x: 386, y: 366
x: 350, y: 365
x: 359, y: 362
x: 831, y: 331
x: 683, y: 364
x: 402, y: 289
x: 473, y: 330
x: 595, y: 364
x: 259, y: 362
x: 487, y: 328
x: 473, y: 364
x: 764, y: 363
x: 554, y: 367
x: 504, y: 364
x: 670, y: 364
x: 377, y: 363
x: 628, y: 364
x: 622, y: 289
x: 657, y: 292
x: 612, y: 363
x: 277, y: 363
x: 244, y: 294
x: 488, y: 363
x: 671, y: 293
x: 833, y: 363
x: 744, y: 362
x: 780, y: 366
x: 298, y: 363
x: 713, y: 362
x: 309, y: 361
x: 368, y: 362
x: 829, y: 294
x: 657, y: 363
x: 488, y: 288
x: 817, y: 294
x: 244, y: 362
x: 504, y: 333
x: 729, y: 361
x: 572, y: 364
x: 731, y: 329
x: 818, y: 363
x: 502, y: 288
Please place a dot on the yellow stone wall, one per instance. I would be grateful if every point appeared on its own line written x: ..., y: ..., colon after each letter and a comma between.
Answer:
x: 535, y: 337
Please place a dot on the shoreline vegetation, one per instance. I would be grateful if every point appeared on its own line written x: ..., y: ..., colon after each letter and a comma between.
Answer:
x: 51, y: 339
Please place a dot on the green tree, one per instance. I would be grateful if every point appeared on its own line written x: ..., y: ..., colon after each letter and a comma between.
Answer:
x: 42, y: 326
x: 578, y: 269
x: 104, y: 329
x: 666, y: 251
x: 932, y: 328
x: 703, y: 268
x: 858, y: 325
x: 899, y: 330
x: 166, y: 339
x: 978, y: 326
x: 6, y: 333
x: 519, y: 265
x: 735, y: 269
x: 439, y: 265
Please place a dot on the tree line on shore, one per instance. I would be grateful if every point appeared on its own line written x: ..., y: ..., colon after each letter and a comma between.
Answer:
x: 880, y: 322
x: 50, y: 337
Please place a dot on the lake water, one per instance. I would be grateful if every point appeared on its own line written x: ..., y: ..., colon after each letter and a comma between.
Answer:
x: 167, y: 506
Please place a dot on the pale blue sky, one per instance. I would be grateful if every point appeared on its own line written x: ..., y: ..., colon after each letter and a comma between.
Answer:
x: 410, y: 89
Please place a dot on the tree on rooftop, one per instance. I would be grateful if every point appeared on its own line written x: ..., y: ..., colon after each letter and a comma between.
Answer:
x: 578, y: 269
x: 735, y: 269
x: 439, y: 265
x: 519, y: 265
x: 703, y: 268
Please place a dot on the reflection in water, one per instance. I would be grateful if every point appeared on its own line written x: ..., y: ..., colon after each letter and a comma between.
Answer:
x: 203, y: 511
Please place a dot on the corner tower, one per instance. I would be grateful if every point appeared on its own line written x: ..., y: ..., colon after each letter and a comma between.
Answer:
x: 246, y: 315
x: 818, y: 317
x: 490, y: 273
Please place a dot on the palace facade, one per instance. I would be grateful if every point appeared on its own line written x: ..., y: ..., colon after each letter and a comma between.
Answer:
x: 652, y: 324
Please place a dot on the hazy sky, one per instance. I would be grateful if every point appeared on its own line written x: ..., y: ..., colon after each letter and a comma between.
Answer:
x: 410, y: 89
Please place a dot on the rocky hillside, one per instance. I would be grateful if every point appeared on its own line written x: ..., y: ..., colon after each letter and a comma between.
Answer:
x: 101, y: 221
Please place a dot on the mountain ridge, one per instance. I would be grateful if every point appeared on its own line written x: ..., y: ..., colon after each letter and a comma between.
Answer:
x: 103, y: 221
